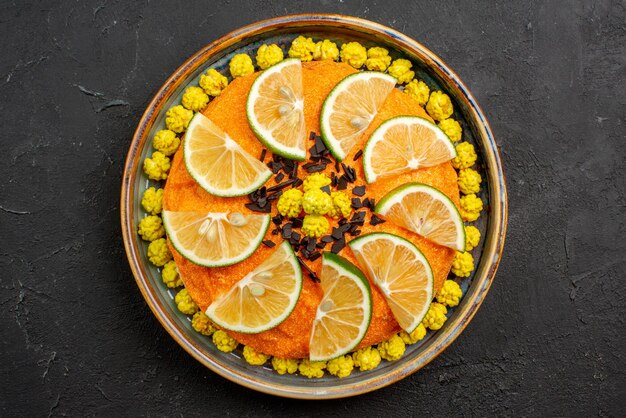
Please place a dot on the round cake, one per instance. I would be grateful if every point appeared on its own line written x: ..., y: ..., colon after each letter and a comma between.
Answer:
x: 290, y: 339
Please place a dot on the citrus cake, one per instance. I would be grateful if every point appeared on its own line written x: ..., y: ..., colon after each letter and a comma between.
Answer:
x: 316, y: 209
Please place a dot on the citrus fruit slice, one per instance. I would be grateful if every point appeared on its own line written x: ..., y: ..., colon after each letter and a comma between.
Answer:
x: 350, y: 107
x: 425, y: 211
x: 263, y: 298
x: 275, y: 109
x: 215, y: 239
x: 400, y: 271
x: 405, y: 143
x: 218, y: 163
x: 344, y: 313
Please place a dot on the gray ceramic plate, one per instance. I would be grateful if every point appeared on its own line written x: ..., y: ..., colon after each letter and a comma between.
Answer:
x: 282, y: 31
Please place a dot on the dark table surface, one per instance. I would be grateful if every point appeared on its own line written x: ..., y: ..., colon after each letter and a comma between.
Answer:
x: 77, y: 337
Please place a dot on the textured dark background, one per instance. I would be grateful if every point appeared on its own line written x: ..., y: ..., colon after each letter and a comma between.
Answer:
x: 77, y: 337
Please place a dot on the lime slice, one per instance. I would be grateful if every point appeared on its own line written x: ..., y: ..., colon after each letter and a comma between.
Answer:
x: 218, y: 163
x: 350, y: 107
x: 215, y: 239
x: 400, y: 271
x: 264, y: 298
x: 405, y: 143
x: 344, y: 314
x: 425, y: 211
x: 275, y: 109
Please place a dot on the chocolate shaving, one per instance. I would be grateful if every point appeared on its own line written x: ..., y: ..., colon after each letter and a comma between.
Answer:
x: 281, y: 185
x: 342, y: 183
x: 375, y: 220
x: 287, y: 232
x: 279, y: 177
x: 269, y: 243
x: 315, y: 256
x: 357, y: 155
x: 310, y: 272
x: 358, y: 218
x: 262, y: 157
x: 296, y: 223
x: 316, y: 168
x: 326, y: 239
x: 325, y: 189
x: 256, y: 208
x: 275, y: 195
x: 278, y: 219
x: 356, y: 203
x: 358, y: 191
x: 297, y: 183
x: 338, y: 245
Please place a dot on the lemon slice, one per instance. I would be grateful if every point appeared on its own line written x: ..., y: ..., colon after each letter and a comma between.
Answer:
x: 405, y: 143
x: 218, y: 163
x: 215, y: 239
x: 275, y: 109
x: 344, y: 314
x: 264, y: 298
x: 400, y: 271
x: 350, y: 107
x: 425, y: 211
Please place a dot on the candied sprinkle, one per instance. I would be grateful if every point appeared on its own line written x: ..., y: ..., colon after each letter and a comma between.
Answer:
x: 418, y: 334
x: 341, y: 205
x: 472, y: 237
x: 224, y: 342
x: 170, y: 275
x: 185, y: 303
x: 341, y: 366
x: 302, y: 48
x: 366, y: 358
x: 378, y: 59
x: 450, y: 293
x: 194, y: 98
x: 326, y: 50
x: 290, y: 203
x: 354, y: 54
x: 152, y: 200
x: 177, y: 118
x: 471, y: 206
x: 253, y: 357
x: 463, y: 264
x: 268, y: 55
x: 213, y: 82
x: 312, y: 369
x: 465, y: 156
x: 202, y: 324
x: 166, y: 141
x: 157, y: 166
x: 151, y: 228
x: 469, y: 181
x: 158, y: 252
x: 315, y: 225
x: 452, y: 129
x: 392, y: 349
x: 401, y: 70
x: 284, y: 365
x: 315, y: 181
x: 241, y: 65
x: 316, y: 202
x: 418, y: 90
x: 439, y: 105
x: 435, y: 317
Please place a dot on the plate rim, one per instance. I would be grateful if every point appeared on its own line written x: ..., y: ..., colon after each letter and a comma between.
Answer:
x: 494, y: 241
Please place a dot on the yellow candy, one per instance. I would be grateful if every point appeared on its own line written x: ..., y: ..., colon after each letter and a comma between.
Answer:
x: 268, y: 55
x: 213, y: 82
x: 354, y: 54
x: 241, y: 65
